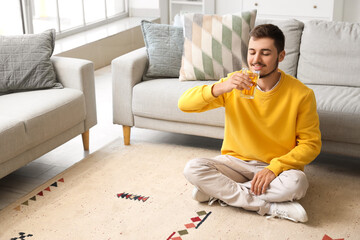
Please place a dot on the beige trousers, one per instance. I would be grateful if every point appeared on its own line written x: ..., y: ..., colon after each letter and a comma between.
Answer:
x: 229, y: 179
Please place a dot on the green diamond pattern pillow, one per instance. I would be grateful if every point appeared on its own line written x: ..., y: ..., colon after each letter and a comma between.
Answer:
x: 215, y: 45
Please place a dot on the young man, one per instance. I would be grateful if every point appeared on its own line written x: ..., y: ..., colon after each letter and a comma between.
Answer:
x: 267, y: 141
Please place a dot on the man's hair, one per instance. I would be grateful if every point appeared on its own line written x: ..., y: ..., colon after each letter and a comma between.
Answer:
x: 270, y: 31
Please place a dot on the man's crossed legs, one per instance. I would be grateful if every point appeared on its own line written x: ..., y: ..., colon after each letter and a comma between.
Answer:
x: 229, y: 179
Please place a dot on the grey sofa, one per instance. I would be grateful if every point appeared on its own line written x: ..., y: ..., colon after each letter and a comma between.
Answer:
x: 323, y: 55
x: 33, y: 123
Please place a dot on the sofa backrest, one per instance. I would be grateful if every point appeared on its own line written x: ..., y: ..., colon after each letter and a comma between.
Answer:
x: 292, y: 30
x: 330, y: 53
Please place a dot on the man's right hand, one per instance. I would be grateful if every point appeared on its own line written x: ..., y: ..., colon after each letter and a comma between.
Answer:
x: 238, y: 81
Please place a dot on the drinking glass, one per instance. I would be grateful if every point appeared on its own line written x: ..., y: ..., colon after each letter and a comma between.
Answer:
x: 254, y: 76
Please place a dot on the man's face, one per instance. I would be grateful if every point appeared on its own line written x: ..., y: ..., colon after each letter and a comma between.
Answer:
x: 263, y: 55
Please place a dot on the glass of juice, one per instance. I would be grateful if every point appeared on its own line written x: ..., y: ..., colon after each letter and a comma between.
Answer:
x: 254, y: 76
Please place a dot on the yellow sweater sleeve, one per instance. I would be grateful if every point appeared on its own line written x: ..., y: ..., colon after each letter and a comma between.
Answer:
x: 308, y: 139
x: 199, y: 99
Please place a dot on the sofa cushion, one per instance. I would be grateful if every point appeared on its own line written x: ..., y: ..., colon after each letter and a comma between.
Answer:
x: 164, y: 46
x: 329, y: 53
x: 339, y: 112
x: 215, y: 45
x: 12, y: 137
x: 292, y: 30
x: 25, y: 62
x: 159, y: 99
x: 44, y: 114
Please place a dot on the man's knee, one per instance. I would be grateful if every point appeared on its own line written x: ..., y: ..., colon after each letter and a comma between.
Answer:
x: 296, y: 183
x: 193, y: 168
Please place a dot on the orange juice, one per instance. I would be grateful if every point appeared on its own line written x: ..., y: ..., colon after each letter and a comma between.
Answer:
x: 254, y: 76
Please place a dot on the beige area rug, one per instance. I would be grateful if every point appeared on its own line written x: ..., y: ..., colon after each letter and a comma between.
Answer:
x: 83, y: 202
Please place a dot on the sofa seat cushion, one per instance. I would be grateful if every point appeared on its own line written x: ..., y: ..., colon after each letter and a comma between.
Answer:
x: 12, y: 137
x: 43, y: 113
x: 158, y: 99
x: 339, y: 112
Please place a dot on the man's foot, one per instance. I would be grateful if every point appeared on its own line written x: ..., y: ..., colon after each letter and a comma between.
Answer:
x: 221, y: 202
x: 200, y: 196
x: 289, y: 210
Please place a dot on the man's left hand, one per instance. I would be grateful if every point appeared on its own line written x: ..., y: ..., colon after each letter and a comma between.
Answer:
x: 261, y: 181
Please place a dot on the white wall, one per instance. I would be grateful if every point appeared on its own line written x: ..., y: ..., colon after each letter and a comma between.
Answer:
x: 144, y: 3
x: 351, y: 12
x: 144, y: 8
x: 227, y: 6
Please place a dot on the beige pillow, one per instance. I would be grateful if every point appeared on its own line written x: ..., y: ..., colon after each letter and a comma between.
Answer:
x: 215, y: 45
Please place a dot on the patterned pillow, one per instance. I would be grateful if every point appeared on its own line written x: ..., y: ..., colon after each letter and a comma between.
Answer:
x: 215, y: 45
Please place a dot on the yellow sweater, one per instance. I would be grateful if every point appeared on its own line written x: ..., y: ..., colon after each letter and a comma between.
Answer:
x: 279, y: 127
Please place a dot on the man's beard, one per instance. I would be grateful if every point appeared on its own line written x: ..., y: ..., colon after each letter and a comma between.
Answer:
x: 276, y: 67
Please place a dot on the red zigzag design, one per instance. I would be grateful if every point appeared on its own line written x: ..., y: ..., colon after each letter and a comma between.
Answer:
x: 132, y: 196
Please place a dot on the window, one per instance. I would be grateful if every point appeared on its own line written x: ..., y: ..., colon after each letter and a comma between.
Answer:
x: 70, y: 12
x: 94, y: 10
x: 44, y: 15
x: 10, y: 17
x: 114, y: 7
x: 66, y: 16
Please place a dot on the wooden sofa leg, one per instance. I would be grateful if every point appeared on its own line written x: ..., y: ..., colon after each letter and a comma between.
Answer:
x: 126, y: 133
x: 85, y: 139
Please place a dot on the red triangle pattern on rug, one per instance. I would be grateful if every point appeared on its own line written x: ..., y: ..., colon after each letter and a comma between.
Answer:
x: 190, y: 225
x: 41, y: 194
x: 132, y: 196
x: 326, y: 237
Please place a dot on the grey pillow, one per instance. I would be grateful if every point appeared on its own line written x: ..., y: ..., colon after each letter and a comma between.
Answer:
x: 25, y: 62
x: 330, y: 53
x: 164, y: 45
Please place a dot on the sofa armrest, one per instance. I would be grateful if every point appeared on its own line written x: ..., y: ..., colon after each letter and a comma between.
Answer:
x: 78, y: 74
x: 127, y: 70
